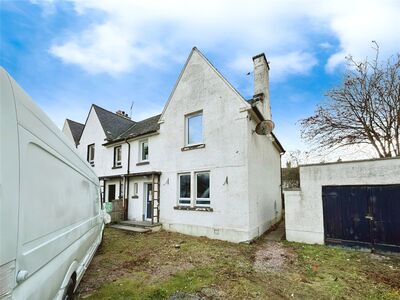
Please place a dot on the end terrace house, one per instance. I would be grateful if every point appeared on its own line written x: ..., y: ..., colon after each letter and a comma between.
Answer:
x: 208, y: 165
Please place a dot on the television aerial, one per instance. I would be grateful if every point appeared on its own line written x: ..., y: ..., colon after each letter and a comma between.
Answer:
x: 265, y: 128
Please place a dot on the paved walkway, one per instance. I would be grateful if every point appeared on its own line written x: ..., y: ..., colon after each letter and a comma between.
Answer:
x: 278, y: 234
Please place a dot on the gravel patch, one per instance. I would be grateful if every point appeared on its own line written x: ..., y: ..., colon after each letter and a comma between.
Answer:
x: 272, y: 257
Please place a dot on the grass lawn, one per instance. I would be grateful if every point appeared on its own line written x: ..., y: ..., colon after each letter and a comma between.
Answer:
x: 163, y: 264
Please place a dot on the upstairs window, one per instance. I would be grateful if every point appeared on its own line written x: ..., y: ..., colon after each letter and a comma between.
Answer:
x: 184, y: 189
x: 117, y: 156
x: 144, y: 150
x: 194, y: 129
x: 90, y: 154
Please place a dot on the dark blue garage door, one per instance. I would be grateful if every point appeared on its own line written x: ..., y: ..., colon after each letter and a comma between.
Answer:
x: 362, y: 216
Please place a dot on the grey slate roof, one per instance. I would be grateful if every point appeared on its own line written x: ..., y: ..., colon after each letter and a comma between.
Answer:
x: 113, y: 124
x: 142, y: 127
x: 76, y: 130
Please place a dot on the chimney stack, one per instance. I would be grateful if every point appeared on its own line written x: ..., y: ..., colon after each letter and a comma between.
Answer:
x: 261, y: 85
x: 122, y: 114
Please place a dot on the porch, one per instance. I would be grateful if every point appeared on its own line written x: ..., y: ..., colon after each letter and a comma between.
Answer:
x: 138, y: 197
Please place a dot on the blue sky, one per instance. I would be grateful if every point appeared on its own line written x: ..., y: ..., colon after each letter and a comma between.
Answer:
x: 70, y: 54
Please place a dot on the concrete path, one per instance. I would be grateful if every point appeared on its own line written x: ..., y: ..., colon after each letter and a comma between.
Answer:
x: 278, y: 234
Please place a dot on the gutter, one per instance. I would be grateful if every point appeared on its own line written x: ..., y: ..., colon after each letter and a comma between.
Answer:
x: 125, y: 139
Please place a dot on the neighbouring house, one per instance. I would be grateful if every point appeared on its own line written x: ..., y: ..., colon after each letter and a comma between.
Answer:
x: 73, y: 130
x: 354, y: 203
x: 208, y: 165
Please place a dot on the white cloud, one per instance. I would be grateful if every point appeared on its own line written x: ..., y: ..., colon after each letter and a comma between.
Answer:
x: 130, y: 33
x: 292, y: 63
x: 356, y: 23
x: 325, y: 45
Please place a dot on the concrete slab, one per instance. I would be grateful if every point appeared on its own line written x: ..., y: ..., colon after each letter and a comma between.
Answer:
x: 278, y: 234
x: 131, y: 228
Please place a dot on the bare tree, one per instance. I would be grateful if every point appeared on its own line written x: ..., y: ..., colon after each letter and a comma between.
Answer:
x: 296, y: 157
x: 365, y: 109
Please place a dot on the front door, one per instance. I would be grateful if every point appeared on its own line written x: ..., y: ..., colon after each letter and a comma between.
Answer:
x: 149, y: 199
x: 111, y: 192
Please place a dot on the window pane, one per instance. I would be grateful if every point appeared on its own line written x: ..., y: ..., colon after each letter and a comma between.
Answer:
x: 184, y: 184
x: 195, y: 130
x: 118, y: 153
x: 91, y: 152
x: 145, y: 151
x: 203, y: 185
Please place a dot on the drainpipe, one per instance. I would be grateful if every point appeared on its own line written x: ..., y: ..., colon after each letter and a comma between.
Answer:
x: 127, y: 180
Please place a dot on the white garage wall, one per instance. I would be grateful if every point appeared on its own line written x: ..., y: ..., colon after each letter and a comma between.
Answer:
x: 303, y: 208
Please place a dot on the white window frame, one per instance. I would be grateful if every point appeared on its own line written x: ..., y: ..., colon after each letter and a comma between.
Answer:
x: 180, y: 203
x: 195, y: 189
x: 118, y: 163
x: 141, y: 150
x: 90, y: 150
x: 187, y: 117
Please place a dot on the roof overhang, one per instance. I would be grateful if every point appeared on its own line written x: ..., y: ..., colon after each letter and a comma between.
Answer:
x: 150, y: 173
x: 121, y: 140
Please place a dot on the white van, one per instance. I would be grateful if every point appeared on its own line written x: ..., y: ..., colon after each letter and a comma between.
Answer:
x: 51, y: 221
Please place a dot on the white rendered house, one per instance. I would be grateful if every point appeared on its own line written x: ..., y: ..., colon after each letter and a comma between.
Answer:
x: 201, y: 167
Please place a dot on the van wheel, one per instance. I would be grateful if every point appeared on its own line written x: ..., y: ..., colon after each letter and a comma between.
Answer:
x: 69, y: 290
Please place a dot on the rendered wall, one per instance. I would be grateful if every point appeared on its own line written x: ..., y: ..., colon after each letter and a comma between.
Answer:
x: 224, y: 131
x: 303, y: 208
x: 264, y: 186
x: 104, y: 156
x: 67, y: 131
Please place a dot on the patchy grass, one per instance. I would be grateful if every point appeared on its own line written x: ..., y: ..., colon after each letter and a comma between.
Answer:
x: 159, y: 265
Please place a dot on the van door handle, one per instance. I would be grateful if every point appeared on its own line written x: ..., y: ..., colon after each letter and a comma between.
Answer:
x: 22, y: 276
x: 369, y: 217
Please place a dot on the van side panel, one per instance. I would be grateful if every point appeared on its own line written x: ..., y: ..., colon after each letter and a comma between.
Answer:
x: 9, y: 176
x: 60, y: 221
x: 55, y: 210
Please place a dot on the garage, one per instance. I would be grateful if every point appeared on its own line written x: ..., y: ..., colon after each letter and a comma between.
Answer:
x: 366, y: 216
x: 349, y: 203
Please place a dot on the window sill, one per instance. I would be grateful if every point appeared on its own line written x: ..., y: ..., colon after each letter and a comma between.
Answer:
x: 196, y: 208
x: 116, y: 167
x: 192, y: 147
x: 142, y: 163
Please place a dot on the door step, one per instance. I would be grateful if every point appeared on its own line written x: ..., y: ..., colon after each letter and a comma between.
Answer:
x: 130, y: 228
x: 141, y: 224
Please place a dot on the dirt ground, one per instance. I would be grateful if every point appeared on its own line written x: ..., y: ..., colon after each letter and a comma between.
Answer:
x: 165, y: 265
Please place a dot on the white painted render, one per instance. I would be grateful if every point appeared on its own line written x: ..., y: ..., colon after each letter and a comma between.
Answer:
x: 68, y: 133
x: 261, y: 84
x: 104, y: 156
x: 303, y: 208
x: 264, y: 173
x: 243, y: 208
x: 244, y: 167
